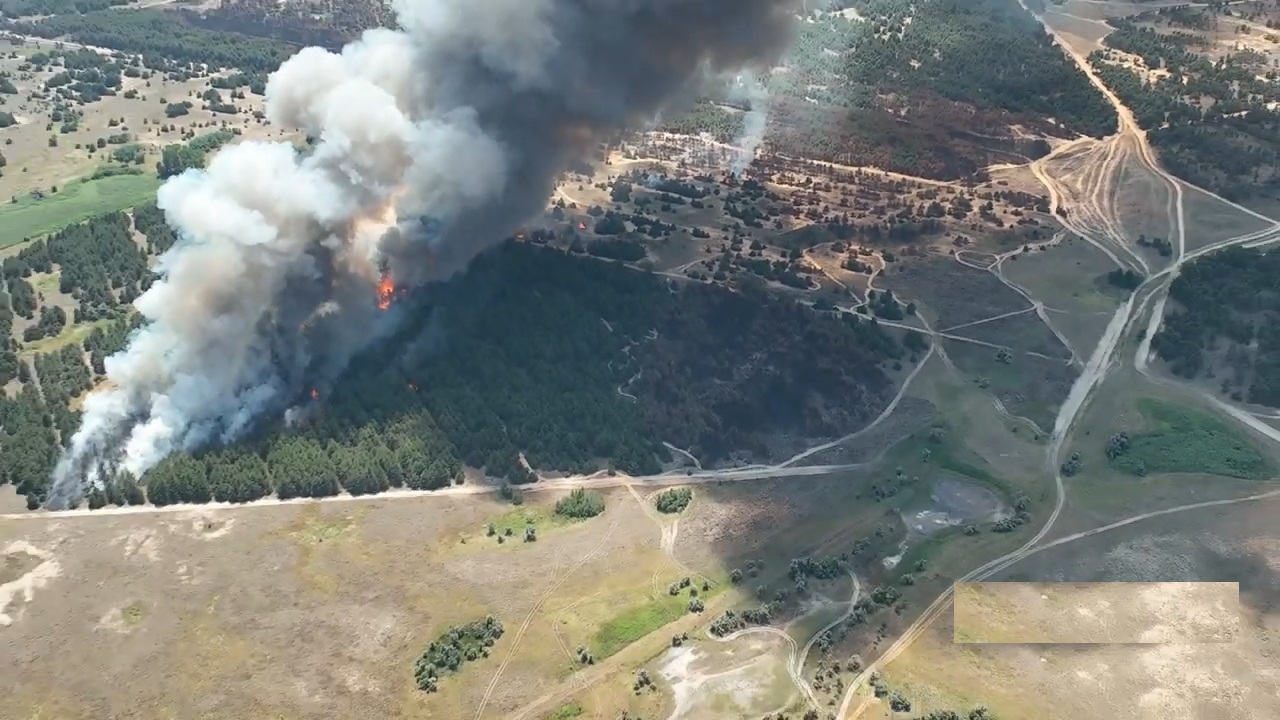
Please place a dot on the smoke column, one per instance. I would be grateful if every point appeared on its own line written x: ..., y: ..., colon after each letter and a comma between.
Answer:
x: 433, y: 142
x: 754, y: 122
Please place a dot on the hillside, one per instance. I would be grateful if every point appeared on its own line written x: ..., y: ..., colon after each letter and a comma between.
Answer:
x: 568, y: 362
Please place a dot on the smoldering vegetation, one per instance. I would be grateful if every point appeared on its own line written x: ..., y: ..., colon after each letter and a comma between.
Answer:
x: 430, y: 143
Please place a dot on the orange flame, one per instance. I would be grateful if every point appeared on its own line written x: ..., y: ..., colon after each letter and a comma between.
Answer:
x: 582, y: 225
x: 315, y: 394
x: 520, y: 235
x: 386, y: 291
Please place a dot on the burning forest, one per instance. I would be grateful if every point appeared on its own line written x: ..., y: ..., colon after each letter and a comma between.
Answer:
x: 435, y: 140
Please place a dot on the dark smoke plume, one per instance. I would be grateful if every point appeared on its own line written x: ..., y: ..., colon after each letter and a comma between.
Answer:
x: 434, y: 142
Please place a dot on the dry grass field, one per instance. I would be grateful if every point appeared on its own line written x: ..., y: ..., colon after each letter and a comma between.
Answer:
x: 1213, y: 681
x: 320, y: 610
x: 1096, y: 613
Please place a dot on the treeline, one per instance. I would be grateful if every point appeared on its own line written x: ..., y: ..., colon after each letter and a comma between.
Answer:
x: 404, y: 453
x: 529, y: 353
x: 8, y: 347
x: 706, y: 117
x: 459, y: 645
x: 1227, y: 322
x: 30, y: 8
x: 149, y: 220
x: 176, y: 158
x: 154, y: 32
x: 918, y: 88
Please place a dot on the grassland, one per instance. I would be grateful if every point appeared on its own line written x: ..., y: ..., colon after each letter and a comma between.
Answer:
x: 28, y: 217
x: 568, y: 711
x: 1027, y: 386
x: 636, y: 622
x: 1179, y: 439
x: 72, y: 333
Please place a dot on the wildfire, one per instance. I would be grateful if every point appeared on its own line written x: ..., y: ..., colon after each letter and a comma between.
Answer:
x: 582, y: 225
x: 413, y: 387
x: 315, y: 394
x: 386, y: 292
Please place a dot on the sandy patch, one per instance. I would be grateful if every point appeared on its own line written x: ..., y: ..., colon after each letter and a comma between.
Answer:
x: 28, y: 582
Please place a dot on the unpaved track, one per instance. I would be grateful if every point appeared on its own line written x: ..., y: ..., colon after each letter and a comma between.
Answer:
x: 533, y: 612
x: 796, y: 656
x: 804, y: 652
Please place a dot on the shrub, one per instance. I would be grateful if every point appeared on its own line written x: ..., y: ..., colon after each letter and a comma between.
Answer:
x: 674, y: 500
x: 580, y: 504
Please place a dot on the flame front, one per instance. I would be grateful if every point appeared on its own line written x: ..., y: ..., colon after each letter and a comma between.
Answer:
x: 315, y: 394
x: 386, y: 292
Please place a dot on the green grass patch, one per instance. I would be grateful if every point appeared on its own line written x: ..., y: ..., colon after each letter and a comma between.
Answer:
x: 74, y: 202
x: 568, y: 711
x: 134, y: 614
x: 640, y: 620
x: 946, y: 453
x: 1182, y: 440
x: 637, y: 622
x: 71, y: 334
x: 512, y: 523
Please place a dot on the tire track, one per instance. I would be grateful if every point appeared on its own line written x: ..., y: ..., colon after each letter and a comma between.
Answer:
x: 528, y: 620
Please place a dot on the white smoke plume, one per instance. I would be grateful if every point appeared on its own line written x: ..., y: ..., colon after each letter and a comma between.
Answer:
x: 755, y: 121
x: 432, y: 143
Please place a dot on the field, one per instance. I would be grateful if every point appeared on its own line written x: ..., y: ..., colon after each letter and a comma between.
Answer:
x: 1096, y: 613
x: 1024, y: 333
x: 1214, y: 681
x: 1169, y: 439
x: 1144, y: 202
x: 1101, y: 492
x: 352, y: 592
x: 80, y: 200
x: 1069, y: 278
x: 953, y: 293
x: 1210, y: 220
x: 1026, y: 385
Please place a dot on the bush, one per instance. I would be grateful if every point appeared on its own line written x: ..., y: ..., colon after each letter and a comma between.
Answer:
x: 460, y: 644
x: 674, y: 500
x: 580, y: 504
